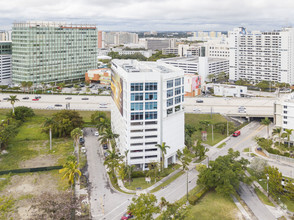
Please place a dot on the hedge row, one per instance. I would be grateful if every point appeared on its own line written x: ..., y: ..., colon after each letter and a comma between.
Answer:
x: 195, y: 197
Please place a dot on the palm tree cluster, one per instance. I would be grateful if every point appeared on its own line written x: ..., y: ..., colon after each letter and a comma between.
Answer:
x: 282, y: 135
x: 26, y: 85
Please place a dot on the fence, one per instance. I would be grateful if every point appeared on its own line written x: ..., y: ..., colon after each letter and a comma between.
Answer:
x: 27, y: 170
x: 278, y: 157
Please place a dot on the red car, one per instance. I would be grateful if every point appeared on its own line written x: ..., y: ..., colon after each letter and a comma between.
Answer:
x: 236, y: 133
x: 35, y: 99
x: 127, y: 216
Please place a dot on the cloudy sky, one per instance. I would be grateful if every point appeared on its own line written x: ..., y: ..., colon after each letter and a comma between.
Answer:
x: 159, y: 15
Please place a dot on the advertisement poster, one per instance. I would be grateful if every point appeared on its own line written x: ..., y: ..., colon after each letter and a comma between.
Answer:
x: 117, y: 91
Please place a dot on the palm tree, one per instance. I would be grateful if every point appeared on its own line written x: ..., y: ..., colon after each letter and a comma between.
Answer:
x: 49, y: 123
x: 162, y: 148
x: 266, y: 122
x: 103, y: 123
x: 185, y: 159
x: 12, y: 99
x: 277, y: 131
x: 288, y: 133
x: 29, y: 85
x: 24, y: 85
x: 70, y: 170
x: 126, y: 156
x: 75, y: 134
x: 130, y: 169
x: 107, y: 135
x: 112, y: 160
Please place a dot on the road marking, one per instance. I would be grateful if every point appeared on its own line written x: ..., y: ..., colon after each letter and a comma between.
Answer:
x: 117, y: 207
x: 249, y: 136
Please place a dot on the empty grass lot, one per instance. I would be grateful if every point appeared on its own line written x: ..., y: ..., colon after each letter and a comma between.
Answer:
x: 214, y: 207
x: 194, y: 119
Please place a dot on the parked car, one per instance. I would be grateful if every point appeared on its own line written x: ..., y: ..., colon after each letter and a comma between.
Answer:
x: 242, y: 110
x: 105, y: 147
x: 58, y: 105
x: 126, y: 216
x: 236, y: 133
x: 6, y: 98
x: 35, y: 99
x: 38, y: 97
x: 96, y: 133
x: 26, y: 97
x: 82, y: 140
x: 199, y: 101
x: 106, y: 154
x: 83, y: 150
x: 85, y: 98
x: 68, y: 98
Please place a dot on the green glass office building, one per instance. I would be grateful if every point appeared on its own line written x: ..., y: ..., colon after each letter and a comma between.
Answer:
x: 52, y: 52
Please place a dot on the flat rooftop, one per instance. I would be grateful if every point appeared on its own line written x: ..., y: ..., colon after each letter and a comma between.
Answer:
x: 191, y: 59
x: 133, y: 66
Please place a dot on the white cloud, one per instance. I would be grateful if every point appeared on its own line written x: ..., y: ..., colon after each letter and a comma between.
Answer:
x: 154, y: 14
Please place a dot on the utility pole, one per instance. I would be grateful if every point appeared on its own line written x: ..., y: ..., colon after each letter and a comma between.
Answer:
x: 212, y: 133
x: 227, y: 128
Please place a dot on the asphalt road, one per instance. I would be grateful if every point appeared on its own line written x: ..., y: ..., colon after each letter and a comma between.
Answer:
x: 257, y: 207
x: 105, y: 202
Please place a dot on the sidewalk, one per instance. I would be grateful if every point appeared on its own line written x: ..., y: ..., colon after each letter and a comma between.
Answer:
x: 121, y: 185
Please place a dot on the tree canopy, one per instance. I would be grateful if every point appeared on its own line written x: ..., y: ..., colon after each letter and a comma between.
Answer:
x: 225, y: 173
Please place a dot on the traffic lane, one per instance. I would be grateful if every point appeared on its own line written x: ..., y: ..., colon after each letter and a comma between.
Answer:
x: 107, y: 203
x: 251, y: 199
x: 178, y: 188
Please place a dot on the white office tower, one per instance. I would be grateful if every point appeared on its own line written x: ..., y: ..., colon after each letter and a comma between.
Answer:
x: 284, y: 113
x: 258, y: 56
x: 148, y: 110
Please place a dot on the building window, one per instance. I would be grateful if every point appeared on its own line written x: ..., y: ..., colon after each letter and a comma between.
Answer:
x: 136, y: 96
x: 150, y: 86
x: 183, y: 80
x: 150, y: 115
x: 285, y: 122
x: 285, y: 117
x: 137, y: 137
x: 151, y: 129
x: 137, y: 116
x: 151, y: 136
x: 137, y: 106
x: 136, y: 158
x: 285, y: 106
x: 169, y: 102
x: 150, y: 105
x: 178, y: 82
x: 136, y: 151
x: 177, y: 99
x: 169, y: 111
x: 178, y: 91
x: 177, y: 108
x: 136, y: 144
x: 134, y: 131
x: 150, y: 143
x: 170, y: 83
x: 151, y: 156
x: 136, y: 86
x: 285, y: 112
x: 151, y: 123
x: 152, y: 149
x: 169, y: 93
x: 151, y: 96
x: 182, y: 98
x: 183, y: 89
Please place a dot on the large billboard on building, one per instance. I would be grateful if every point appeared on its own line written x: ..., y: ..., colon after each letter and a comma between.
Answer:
x: 192, y: 84
x: 117, y: 91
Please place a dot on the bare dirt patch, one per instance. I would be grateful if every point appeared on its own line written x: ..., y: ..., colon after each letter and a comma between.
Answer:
x: 260, y: 153
x: 39, y: 161
x: 27, y: 186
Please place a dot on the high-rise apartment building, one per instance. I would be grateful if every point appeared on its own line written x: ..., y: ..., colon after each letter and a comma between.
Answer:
x: 258, y: 56
x: 52, y: 52
x: 5, y: 62
x: 118, y: 38
x: 148, y: 110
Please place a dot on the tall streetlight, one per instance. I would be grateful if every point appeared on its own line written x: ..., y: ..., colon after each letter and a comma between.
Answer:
x: 267, y: 179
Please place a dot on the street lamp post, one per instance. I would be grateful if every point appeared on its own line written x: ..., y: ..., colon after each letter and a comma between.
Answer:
x: 267, y: 179
x: 187, y: 185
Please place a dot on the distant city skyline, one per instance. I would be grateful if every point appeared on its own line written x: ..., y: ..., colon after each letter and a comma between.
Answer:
x: 145, y: 15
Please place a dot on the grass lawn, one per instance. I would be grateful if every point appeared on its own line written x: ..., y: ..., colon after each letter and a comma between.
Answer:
x: 30, y: 142
x: 194, y: 119
x: 213, y: 207
x: 263, y: 197
x: 168, y: 181
x: 140, y: 181
x: 246, y: 149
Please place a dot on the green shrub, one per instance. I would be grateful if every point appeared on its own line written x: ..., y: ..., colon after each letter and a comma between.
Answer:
x: 22, y: 113
x: 137, y: 174
x: 194, y: 198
